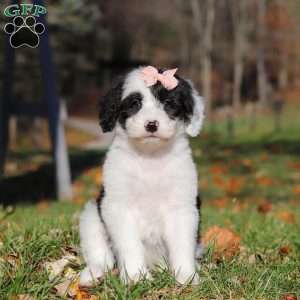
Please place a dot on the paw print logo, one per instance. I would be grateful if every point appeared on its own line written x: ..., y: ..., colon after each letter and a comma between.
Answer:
x: 24, y: 32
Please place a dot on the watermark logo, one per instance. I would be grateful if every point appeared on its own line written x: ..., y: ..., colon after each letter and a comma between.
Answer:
x: 24, y: 30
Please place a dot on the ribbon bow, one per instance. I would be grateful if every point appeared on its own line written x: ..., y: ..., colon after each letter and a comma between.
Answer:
x: 151, y: 75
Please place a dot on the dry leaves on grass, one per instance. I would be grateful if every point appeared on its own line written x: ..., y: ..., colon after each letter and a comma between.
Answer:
x: 295, y: 165
x: 226, y: 243
x: 231, y: 186
x: 285, y: 250
x: 286, y: 216
x: 220, y: 202
x: 297, y: 190
x: 289, y: 297
x: 264, y: 181
x: 265, y: 207
x: 69, y: 284
x: 43, y: 205
x: 70, y: 289
x: 234, y: 185
x: 218, y: 169
x: 56, y: 268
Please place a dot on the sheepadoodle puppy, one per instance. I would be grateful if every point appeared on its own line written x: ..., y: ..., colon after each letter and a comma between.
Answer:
x: 147, y: 212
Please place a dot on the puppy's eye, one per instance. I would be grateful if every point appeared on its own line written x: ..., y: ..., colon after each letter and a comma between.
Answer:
x: 135, y: 103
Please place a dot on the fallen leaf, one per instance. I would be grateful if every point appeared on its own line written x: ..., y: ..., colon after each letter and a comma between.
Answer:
x: 264, y: 157
x: 284, y: 250
x: 286, y: 216
x: 63, y: 287
x: 289, y: 297
x: 247, y: 163
x: 295, y: 165
x: 42, y: 205
x: 240, y: 206
x: 12, y: 259
x: 265, y: 207
x: 57, y: 267
x: 220, y: 203
x: 264, y: 181
x: 234, y: 185
x: 219, y: 181
x: 297, y: 190
x: 218, y: 169
x: 226, y: 243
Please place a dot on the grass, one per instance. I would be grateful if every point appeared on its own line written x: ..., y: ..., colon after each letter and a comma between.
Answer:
x: 238, y: 178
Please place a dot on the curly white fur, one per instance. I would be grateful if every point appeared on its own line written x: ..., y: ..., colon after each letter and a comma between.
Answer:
x: 149, y: 208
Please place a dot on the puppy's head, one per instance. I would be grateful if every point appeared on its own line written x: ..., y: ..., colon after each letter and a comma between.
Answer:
x: 151, y: 114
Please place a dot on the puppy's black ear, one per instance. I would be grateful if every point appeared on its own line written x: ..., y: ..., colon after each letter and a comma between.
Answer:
x: 110, y: 106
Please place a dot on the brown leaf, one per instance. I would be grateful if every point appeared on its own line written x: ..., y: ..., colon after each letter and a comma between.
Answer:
x: 247, y: 163
x: 219, y: 181
x: 226, y: 243
x: 289, y: 297
x: 284, y: 250
x: 286, y: 216
x: 43, y: 206
x: 218, y: 169
x: 295, y: 165
x: 57, y: 267
x: 264, y: 181
x: 234, y: 185
x: 240, y: 206
x: 63, y: 287
x: 264, y: 207
x: 220, y: 203
x: 297, y: 190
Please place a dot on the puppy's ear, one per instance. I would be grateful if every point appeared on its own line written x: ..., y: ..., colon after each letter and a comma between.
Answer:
x: 195, y: 122
x: 110, y: 105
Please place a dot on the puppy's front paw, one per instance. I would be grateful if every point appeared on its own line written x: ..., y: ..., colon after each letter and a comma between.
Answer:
x: 90, y: 277
x: 187, y: 278
x: 134, y: 277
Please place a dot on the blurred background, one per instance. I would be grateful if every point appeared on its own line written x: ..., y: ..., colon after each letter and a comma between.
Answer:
x: 242, y: 55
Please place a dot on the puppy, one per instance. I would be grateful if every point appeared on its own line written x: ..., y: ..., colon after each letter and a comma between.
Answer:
x: 146, y: 214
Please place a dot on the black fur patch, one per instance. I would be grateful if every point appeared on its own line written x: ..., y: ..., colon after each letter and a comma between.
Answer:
x: 177, y: 103
x: 110, y: 106
x: 129, y: 107
x: 98, y: 201
x: 198, y: 204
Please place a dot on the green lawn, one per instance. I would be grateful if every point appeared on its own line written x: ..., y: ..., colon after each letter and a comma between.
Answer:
x: 250, y: 185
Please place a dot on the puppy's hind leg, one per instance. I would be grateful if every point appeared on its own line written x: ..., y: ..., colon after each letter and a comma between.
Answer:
x: 94, y: 245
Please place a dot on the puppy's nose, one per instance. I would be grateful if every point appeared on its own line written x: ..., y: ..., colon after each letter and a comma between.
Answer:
x: 151, y: 126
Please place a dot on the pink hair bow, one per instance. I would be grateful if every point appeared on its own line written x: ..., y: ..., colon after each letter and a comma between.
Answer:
x: 151, y: 75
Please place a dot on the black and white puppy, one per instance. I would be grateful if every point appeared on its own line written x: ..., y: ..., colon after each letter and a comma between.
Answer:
x: 147, y: 212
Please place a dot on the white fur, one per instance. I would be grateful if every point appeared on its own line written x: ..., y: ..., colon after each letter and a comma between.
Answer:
x: 149, y: 207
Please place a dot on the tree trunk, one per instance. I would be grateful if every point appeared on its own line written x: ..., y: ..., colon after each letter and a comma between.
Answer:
x: 206, y: 59
x: 205, y: 34
x: 261, y: 69
x: 184, y: 50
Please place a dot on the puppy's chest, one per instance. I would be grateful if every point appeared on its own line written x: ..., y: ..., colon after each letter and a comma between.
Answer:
x: 151, y: 183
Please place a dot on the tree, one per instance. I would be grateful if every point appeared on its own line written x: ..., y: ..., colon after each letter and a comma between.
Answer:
x: 262, y: 82
x: 239, y: 18
x: 238, y: 12
x: 204, y: 18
